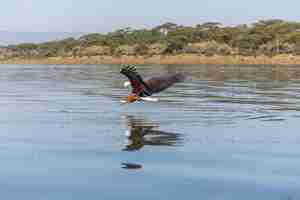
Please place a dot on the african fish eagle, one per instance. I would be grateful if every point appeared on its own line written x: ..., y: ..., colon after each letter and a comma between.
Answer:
x: 143, y: 89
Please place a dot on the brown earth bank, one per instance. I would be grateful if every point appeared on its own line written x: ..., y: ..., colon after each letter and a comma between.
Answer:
x: 185, y: 59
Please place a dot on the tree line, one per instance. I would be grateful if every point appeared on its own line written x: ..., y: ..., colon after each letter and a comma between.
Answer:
x: 264, y: 37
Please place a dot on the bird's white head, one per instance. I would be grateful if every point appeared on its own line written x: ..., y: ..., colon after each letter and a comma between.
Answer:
x: 127, y: 84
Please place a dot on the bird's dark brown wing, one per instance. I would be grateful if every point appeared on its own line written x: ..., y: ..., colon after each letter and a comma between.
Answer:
x: 139, y: 87
x: 160, y: 83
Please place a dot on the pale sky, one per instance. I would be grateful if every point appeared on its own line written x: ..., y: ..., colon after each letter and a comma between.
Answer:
x: 108, y: 15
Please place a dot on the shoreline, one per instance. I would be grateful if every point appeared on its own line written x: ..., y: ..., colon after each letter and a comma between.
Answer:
x: 184, y: 59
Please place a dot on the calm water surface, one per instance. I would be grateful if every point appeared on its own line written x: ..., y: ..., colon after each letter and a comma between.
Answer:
x: 225, y: 133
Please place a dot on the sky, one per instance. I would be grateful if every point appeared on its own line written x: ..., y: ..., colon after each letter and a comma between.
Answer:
x: 108, y: 15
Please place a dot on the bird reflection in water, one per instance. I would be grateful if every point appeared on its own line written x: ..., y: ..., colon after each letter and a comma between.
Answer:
x: 142, y: 132
x: 131, y: 166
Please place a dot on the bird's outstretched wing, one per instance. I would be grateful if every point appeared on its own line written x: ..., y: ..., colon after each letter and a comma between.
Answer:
x: 139, y: 87
x: 160, y: 83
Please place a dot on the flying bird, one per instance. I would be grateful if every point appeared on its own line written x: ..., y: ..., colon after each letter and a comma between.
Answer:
x: 143, y: 89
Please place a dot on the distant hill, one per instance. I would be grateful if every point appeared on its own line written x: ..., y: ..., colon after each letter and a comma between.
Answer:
x: 7, y: 37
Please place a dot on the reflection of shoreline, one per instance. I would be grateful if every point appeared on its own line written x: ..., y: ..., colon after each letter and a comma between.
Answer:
x: 142, y: 133
x: 161, y: 60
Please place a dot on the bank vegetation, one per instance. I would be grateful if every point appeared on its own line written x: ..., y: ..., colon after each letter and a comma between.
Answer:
x: 264, y: 39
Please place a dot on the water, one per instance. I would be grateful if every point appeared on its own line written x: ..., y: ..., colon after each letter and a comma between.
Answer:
x: 225, y: 133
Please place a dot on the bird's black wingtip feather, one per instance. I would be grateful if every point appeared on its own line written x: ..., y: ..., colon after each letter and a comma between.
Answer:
x: 128, y: 68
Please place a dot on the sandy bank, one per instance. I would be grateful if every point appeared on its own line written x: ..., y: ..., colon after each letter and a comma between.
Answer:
x: 187, y: 59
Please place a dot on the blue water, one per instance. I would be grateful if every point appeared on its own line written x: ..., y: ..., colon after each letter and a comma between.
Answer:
x: 227, y: 132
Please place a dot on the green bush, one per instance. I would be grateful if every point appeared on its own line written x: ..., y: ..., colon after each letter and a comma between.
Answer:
x: 268, y: 37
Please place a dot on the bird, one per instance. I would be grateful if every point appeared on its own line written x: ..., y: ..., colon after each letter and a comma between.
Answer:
x: 143, y: 89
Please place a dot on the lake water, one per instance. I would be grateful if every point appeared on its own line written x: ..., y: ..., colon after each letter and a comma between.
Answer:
x: 225, y: 133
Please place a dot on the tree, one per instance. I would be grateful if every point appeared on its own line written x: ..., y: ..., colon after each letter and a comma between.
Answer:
x: 92, y: 39
x: 211, y: 25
